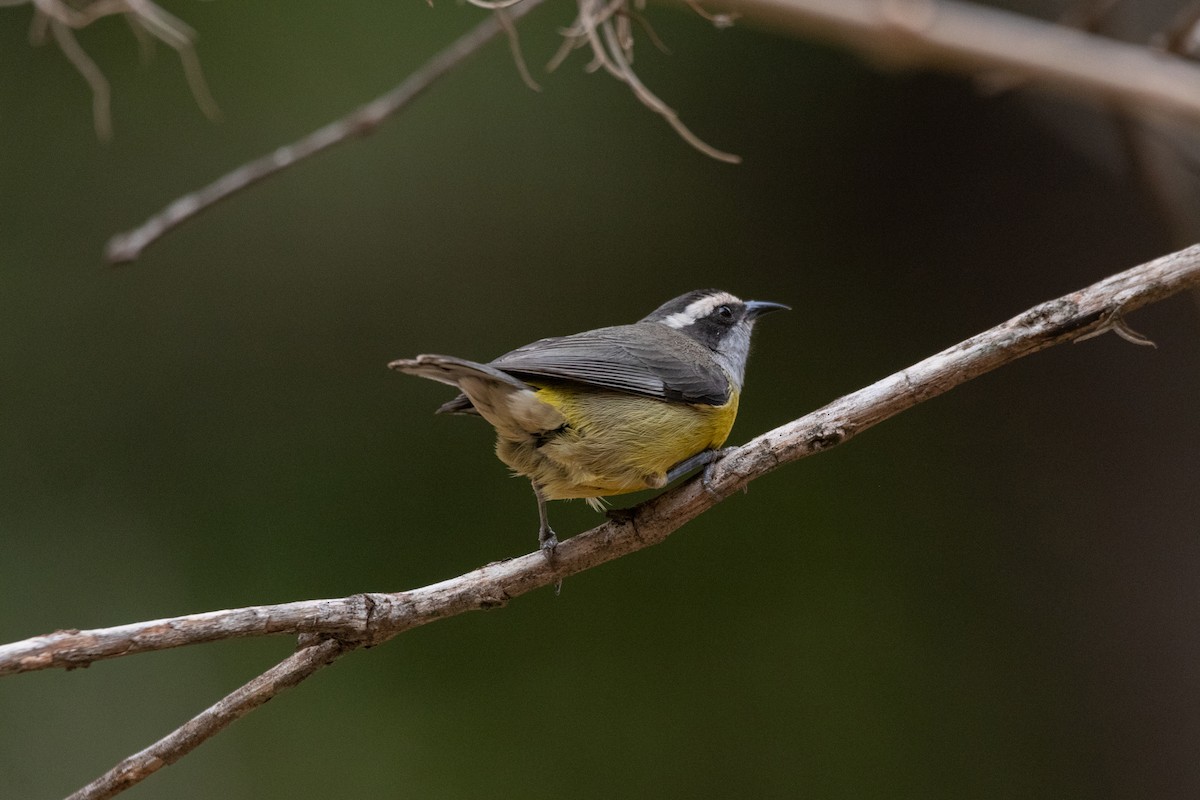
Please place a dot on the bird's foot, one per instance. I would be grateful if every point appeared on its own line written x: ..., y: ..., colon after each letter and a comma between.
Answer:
x: 706, y: 482
x: 701, y: 459
x: 547, y: 541
x: 549, y: 544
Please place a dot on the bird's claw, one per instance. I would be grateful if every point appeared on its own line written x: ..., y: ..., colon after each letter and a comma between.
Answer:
x: 706, y: 482
x: 548, y: 543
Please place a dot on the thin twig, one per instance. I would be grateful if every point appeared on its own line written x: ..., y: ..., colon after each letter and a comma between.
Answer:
x: 101, y: 114
x: 147, y: 20
x: 214, y: 719
x: 718, y: 20
x: 128, y: 246
x: 144, y: 39
x: 176, y: 34
x: 648, y: 29
x: 590, y: 19
x: 514, y: 48
x: 618, y: 53
x: 374, y: 618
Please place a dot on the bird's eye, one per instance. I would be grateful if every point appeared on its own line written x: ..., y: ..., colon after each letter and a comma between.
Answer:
x: 724, y: 312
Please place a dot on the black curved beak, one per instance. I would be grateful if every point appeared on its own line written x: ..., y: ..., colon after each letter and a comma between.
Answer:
x: 756, y: 308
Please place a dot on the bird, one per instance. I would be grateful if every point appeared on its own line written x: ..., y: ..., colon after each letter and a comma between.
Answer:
x: 612, y: 410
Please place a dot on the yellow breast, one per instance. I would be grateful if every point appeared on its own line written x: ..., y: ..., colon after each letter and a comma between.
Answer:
x: 615, y: 443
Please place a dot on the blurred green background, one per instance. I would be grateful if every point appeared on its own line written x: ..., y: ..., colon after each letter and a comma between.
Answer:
x: 991, y: 596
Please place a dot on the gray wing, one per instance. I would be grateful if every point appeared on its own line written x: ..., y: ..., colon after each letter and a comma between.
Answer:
x: 667, y: 365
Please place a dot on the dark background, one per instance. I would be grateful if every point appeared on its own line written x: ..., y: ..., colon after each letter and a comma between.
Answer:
x: 991, y: 596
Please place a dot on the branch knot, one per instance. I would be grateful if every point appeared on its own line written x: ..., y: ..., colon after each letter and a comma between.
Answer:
x: 1049, y: 315
x: 825, y: 436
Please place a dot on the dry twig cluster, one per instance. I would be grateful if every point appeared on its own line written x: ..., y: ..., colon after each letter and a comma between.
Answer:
x: 606, y: 28
x: 149, y: 23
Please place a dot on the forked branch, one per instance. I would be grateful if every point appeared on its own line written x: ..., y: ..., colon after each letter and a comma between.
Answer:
x: 376, y: 617
x: 328, y: 628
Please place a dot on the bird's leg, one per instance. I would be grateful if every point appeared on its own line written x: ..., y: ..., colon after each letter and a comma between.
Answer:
x: 546, y: 538
x: 701, y: 459
x: 704, y: 458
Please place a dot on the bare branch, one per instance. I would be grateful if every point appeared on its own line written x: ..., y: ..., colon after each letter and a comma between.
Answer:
x: 970, y: 38
x: 213, y: 720
x: 128, y: 246
x: 373, y: 618
x: 70, y: 649
x: 514, y: 47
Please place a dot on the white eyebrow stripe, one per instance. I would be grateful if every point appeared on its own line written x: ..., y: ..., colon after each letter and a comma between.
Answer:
x: 697, y: 309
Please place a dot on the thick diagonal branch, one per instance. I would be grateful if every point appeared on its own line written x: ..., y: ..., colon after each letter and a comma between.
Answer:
x: 973, y: 39
x: 375, y: 617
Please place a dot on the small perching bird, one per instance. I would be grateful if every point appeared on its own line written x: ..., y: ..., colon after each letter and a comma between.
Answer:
x: 613, y: 410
